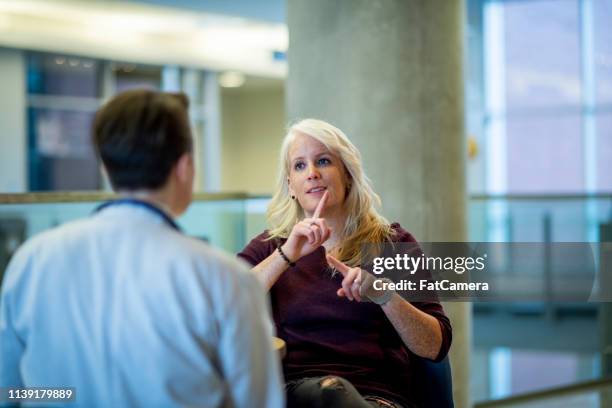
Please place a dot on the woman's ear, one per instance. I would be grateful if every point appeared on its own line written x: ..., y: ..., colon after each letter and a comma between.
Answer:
x: 348, y: 179
x: 348, y: 184
x: 289, y: 190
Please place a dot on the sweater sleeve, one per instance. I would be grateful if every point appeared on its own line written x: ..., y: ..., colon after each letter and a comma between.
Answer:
x: 433, y: 307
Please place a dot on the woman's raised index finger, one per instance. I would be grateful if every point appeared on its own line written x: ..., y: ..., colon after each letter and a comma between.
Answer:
x: 338, y: 265
x: 320, y: 206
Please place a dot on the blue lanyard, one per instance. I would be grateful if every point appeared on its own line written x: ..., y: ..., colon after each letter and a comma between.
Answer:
x: 140, y: 203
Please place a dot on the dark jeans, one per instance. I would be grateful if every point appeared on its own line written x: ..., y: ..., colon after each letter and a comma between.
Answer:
x: 331, y: 392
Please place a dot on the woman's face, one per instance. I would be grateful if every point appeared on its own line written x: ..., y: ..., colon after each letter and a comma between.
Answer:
x: 313, y: 169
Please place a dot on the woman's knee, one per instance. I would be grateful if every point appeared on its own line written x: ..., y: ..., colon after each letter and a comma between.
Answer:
x: 332, y: 382
x: 328, y: 391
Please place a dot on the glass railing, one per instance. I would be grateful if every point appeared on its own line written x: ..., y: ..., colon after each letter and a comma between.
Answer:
x: 229, y: 220
x: 546, y: 219
x: 538, y: 218
x: 528, y: 347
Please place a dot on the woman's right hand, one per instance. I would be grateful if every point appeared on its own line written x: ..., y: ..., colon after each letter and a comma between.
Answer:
x: 308, y: 234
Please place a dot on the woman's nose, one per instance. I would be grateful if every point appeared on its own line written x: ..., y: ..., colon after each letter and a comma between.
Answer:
x: 313, y: 172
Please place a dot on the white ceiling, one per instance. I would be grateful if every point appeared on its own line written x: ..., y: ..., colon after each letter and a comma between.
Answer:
x: 145, y: 33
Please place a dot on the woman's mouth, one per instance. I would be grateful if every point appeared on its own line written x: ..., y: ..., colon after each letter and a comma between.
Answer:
x: 319, y: 189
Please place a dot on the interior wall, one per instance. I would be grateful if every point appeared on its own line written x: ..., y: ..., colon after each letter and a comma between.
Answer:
x: 253, y: 126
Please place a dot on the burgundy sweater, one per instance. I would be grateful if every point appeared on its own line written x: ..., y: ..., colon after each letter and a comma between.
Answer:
x: 330, y: 335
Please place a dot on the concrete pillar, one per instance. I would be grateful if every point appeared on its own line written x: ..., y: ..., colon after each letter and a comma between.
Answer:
x: 390, y: 74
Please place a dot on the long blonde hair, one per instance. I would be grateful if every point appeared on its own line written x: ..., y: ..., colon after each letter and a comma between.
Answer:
x: 363, y: 223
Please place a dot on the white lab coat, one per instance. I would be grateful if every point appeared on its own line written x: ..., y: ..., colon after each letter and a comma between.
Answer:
x: 131, y: 312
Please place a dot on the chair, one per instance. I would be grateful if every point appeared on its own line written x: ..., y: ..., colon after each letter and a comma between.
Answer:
x: 433, y: 383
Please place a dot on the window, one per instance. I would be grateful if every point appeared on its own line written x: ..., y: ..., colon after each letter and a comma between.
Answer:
x: 63, y: 95
x: 64, y: 92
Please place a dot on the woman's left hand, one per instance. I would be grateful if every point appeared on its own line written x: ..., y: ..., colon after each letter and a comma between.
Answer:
x: 420, y: 332
x: 351, y: 284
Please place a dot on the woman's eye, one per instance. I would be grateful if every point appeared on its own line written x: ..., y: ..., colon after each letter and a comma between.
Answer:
x: 299, y: 165
x: 324, y: 161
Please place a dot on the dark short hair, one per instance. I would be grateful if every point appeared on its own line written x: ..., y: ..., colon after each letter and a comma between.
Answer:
x: 139, y: 135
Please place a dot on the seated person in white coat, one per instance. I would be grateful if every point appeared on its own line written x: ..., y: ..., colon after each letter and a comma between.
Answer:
x: 124, y: 308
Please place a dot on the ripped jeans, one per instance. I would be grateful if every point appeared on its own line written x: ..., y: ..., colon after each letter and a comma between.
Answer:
x: 331, y: 392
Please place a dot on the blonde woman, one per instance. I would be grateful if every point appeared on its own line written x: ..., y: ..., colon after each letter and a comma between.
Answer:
x: 343, y: 348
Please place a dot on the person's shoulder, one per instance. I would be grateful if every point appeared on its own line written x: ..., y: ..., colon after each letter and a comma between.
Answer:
x: 188, y: 246
x: 45, y: 245
x: 264, y: 241
x: 223, y: 271
x: 399, y: 234
x: 262, y: 237
x: 202, y: 253
x: 46, y: 240
x: 259, y: 248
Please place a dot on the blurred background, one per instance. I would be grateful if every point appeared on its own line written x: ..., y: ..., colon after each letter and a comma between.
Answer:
x: 538, y: 134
